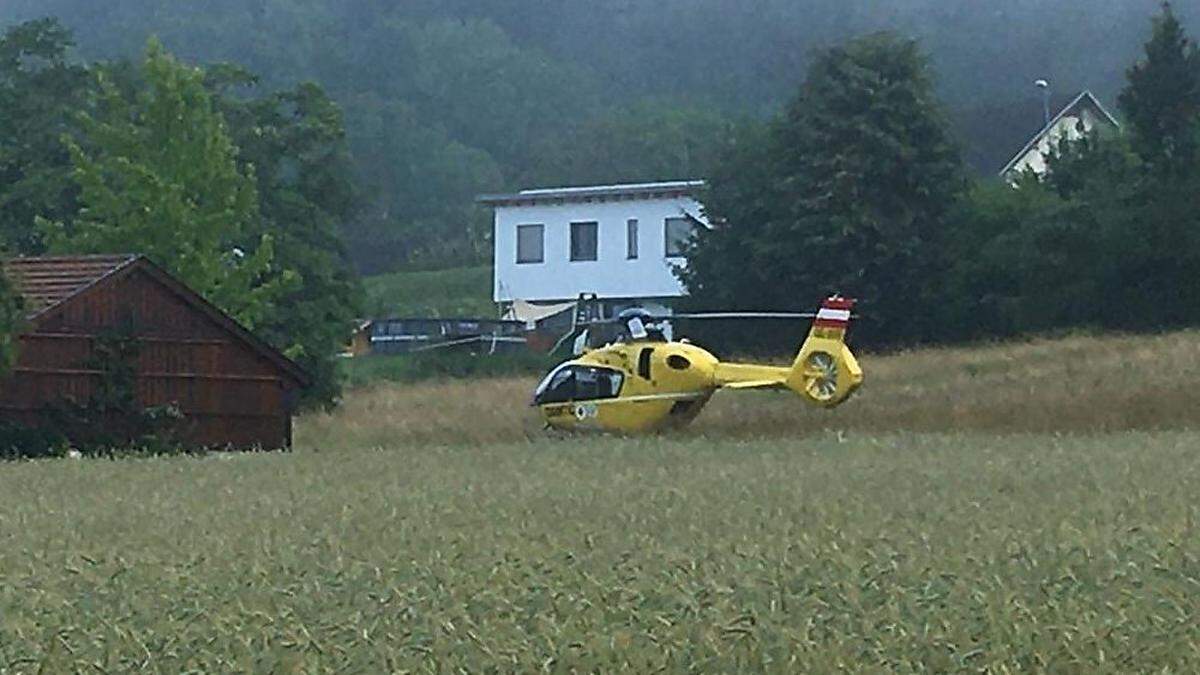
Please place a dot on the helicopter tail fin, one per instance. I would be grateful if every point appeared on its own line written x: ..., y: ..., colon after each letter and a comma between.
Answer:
x: 825, y: 371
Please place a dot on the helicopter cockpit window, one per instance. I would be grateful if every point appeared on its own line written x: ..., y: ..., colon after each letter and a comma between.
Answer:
x: 578, y: 383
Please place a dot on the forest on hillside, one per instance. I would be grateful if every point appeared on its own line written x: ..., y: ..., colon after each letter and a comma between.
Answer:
x: 447, y: 99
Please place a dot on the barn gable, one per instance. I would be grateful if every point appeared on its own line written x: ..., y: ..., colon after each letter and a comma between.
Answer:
x: 234, y: 389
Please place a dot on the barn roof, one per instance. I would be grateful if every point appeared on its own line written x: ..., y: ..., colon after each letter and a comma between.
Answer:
x: 48, y: 283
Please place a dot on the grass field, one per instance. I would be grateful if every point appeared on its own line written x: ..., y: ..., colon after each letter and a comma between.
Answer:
x: 461, y: 292
x: 1079, y: 384
x: 1017, y: 508
x: 359, y: 373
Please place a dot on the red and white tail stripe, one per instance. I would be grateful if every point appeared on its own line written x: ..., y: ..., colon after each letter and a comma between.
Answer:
x: 834, y: 313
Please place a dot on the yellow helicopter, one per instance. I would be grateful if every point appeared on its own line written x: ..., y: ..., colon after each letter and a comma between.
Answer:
x: 645, y: 382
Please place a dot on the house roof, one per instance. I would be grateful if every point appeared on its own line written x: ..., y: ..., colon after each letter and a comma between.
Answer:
x: 674, y: 188
x: 47, y: 284
x: 1084, y: 98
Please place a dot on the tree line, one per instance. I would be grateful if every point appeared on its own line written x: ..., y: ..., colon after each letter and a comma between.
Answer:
x: 446, y: 99
x: 859, y: 187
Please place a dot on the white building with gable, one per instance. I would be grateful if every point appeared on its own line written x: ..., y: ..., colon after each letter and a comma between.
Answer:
x: 620, y: 242
x: 1083, y: 115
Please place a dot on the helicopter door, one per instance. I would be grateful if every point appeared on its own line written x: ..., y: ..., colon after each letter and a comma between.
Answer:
x: 644, y: 363
x: 578, y: 383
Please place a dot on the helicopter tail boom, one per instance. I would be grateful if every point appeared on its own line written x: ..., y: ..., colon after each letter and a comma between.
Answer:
x: 750, y: 376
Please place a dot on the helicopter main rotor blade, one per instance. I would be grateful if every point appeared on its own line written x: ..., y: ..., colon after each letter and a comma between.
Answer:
x: 716, y: 315
x: 743, y: 315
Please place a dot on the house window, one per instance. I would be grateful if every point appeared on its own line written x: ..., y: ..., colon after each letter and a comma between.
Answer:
x: 631, y: 239
x: 678, y: 233
x: 584, y: 237
x: 530, y: 246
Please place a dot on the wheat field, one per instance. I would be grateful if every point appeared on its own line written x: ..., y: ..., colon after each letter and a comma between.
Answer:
x: 1015, y: 508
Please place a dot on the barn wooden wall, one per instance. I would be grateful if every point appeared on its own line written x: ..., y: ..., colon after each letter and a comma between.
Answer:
x: 230, y: 394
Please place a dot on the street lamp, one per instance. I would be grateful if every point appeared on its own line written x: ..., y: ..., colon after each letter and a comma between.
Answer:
x: 1045, y: 87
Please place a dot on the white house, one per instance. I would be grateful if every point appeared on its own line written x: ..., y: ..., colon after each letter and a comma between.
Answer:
x: 1083, y: 115
x: 620, y: 242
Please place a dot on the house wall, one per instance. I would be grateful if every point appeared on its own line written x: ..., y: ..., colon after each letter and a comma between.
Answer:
x: 230, y: 394
x: 1068, y: 127
x: 612, y: 275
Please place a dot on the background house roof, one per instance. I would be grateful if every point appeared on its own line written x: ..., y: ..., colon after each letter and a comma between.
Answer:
x: 1084, y: 98
x: 602, y: 192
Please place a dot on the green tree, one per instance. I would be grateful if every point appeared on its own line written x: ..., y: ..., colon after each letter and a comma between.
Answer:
x: 12, y: 313
x: 41, y: 92
x: 981, y: 293
x: 851, y: 193
x: 1099, y: 155
x: 1120, y: 252
x: 158, y: 175
x: 739, y: 203
x: 420, y: 206
x: 644, y: 141
x: 1162, y: 97
x: 293, y: 142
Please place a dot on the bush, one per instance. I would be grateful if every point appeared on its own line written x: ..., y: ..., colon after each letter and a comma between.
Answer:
x: 21, y: 442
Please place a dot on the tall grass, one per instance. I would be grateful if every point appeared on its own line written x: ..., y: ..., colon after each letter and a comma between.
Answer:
x: 437, y: 365
x: 1078, y: 384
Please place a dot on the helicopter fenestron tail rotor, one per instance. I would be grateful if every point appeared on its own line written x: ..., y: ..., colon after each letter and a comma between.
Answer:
x: 825, y: 371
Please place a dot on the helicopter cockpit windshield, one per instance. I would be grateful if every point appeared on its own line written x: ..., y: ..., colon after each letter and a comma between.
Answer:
x: 573, y: 382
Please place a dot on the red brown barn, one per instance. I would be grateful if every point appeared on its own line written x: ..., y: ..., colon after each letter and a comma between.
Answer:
x: 234, y: 390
